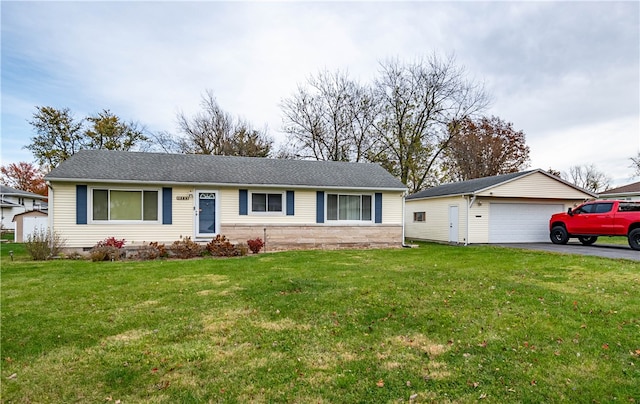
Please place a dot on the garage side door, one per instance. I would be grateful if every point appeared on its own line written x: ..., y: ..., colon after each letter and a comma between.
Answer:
x: 520, y: 222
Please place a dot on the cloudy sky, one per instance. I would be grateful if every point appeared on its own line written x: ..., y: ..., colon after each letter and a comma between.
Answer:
x: 565, y: 73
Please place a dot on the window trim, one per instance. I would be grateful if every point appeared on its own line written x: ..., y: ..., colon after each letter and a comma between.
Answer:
x: 372, y: 208
x: 415, y: 217
x: 109, y: 221
x: 281, y: 212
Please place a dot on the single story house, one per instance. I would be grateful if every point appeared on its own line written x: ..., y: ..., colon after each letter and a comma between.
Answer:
x: 155, y: 197
x: 508, y: 208
x: 629, y: 192
x: 15, y: 201
x: 27, y: 223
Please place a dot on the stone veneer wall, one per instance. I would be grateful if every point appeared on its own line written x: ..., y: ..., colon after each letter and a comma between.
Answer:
x: 304, y: 237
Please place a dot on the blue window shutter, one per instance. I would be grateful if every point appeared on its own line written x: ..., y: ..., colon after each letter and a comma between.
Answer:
x: 167, y: 214
x: 378, y: 207
x: 290, y: 204
x: 244, y: 206
x: 81, y: 204
x: 319, y: 207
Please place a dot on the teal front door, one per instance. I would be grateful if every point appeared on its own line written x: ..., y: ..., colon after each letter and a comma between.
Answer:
x: 206, y: 217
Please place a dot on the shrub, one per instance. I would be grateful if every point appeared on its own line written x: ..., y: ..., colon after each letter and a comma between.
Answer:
x: 105, y: 253
x: 151, y: 251
x: 111, y: 242
x: 220, y: 246
x: 43, y: 244
x: 107, y: 249
x: 243, y: 249
x: 255, y: 245
x: 185, y: 248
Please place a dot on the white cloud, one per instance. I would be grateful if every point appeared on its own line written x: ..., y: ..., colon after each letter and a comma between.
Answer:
x: 561, y: 72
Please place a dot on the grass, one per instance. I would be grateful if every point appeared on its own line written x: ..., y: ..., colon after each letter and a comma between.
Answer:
x: 618, y: 240
x: 431, y: 324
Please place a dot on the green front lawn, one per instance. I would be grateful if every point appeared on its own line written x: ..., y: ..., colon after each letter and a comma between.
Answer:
x: 430, y: 324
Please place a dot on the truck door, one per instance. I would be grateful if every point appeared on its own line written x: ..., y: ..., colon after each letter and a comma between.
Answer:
x: 581, y: 219
x: 602, y: 222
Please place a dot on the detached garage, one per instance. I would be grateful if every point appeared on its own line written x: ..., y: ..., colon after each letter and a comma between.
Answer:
x: 510, y: 208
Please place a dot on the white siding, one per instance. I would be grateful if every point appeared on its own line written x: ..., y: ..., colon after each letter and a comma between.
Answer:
x: 87, y: 235
x: 392, y: 208
x: 436, y: 224
x: 536, y: 185
x: 304, y: 208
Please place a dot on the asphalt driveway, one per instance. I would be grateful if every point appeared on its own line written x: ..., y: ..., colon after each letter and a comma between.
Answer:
x: 598, y: 250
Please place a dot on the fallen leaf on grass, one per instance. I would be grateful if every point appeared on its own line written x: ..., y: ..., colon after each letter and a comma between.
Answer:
x: 605, y: 346
x: 13, y: 376
x: 380, y: 383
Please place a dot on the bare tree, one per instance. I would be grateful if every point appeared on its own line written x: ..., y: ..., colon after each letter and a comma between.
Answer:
x: 214, y: 131
x: 635, y: 165
x: 588, y: 177
x: 331, y: 118
x: 161, y: 141
x: 421, y: 106
x: 485, y: 147
x: 207, y: 131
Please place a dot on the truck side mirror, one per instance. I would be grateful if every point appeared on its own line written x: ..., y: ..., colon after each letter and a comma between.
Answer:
x: 569, y: 212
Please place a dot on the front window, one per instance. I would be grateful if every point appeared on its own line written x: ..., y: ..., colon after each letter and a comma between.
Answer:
x: 263, y: 203
x: 348, y: 207
x: 125, y: 205
x: 419, y: 216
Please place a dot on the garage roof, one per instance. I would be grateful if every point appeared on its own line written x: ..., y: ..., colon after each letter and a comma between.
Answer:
x: 478, y: 185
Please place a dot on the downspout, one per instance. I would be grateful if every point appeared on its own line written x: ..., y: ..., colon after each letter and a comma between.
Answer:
x: 469, y: 205
x: 50, y: 213
x: 403, y: 220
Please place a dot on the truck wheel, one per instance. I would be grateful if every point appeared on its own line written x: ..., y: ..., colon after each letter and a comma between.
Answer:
x: 559, y: 235
x: 634, y: 239
x: 588, y: 240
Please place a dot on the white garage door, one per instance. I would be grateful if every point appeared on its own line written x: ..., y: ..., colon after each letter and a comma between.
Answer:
x: 520, y: 222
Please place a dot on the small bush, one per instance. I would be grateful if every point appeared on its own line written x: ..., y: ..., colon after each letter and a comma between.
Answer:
x: 109, y: 249
x: 220, y: 246
x: 111, y: 242
x: 243, y: 249
x: 105, y: 253
x: 255, y: 245
x: 151, y: 251
x: 186, y: 248
x: 43, y: 244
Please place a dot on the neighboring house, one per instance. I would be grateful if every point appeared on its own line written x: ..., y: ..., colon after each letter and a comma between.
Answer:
x: 508, y: 208
x: 629, y: 192
x: 14, y: 201
x: 146, y: 197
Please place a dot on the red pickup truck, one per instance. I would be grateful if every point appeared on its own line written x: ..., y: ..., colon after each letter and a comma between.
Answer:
x: 597, y: 218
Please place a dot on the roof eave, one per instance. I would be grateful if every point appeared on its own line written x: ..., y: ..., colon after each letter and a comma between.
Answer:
x: 222, y: 184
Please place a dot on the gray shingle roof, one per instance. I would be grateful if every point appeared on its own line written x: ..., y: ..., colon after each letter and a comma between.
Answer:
x: 468, y: 187
x: 6, y: 190
x: 629, y: 188
x: 119, y: 166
